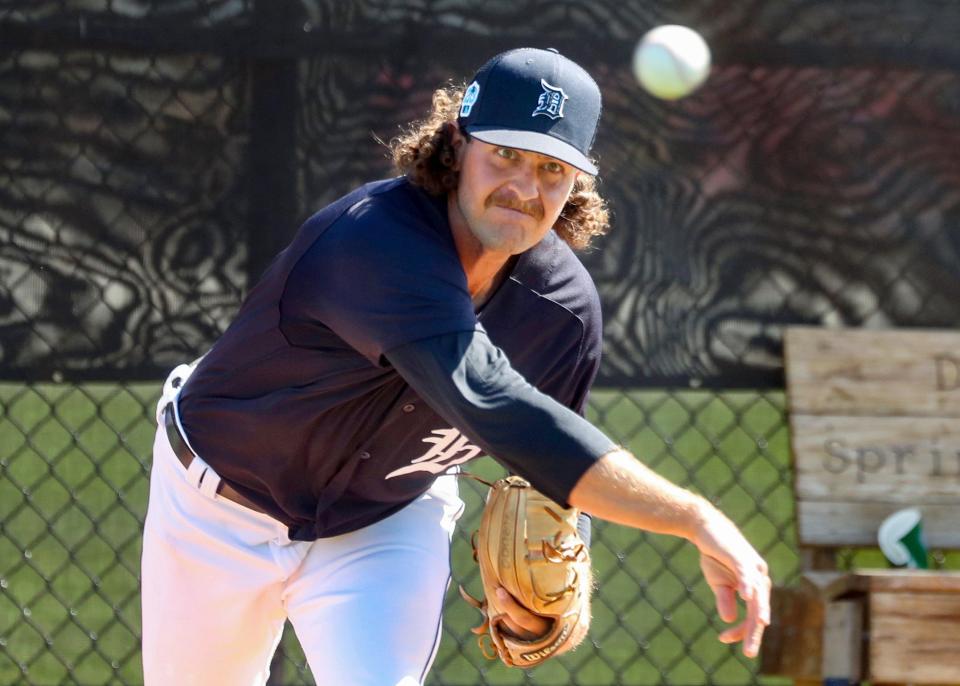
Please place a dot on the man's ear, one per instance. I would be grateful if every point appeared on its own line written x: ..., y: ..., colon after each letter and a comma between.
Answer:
x: 459, y: 142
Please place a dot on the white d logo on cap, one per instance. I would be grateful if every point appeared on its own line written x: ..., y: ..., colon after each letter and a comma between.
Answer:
x: 550, y: 102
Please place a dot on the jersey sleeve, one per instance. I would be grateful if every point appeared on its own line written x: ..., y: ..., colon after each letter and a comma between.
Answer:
x: 381, y: 276
x: 468, y: 381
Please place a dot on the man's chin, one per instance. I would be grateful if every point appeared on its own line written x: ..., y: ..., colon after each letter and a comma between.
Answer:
x: 508, y: 250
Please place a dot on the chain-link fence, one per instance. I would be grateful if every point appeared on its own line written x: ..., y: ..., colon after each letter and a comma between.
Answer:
x: 75, y: 460
x: 154, y: 156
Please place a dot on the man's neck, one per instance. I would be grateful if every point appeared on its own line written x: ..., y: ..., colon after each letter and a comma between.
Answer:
x: 485, y: 290
x: 485, y: 270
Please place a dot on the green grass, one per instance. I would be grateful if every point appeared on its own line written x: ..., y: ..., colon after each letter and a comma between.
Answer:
x: 73, y: 486
x: 73, y: 490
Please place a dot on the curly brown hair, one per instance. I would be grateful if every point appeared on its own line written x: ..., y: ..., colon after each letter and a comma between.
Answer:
x: 424, y: 153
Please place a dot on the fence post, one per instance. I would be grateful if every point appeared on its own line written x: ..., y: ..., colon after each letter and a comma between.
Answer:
x: 272, y: 180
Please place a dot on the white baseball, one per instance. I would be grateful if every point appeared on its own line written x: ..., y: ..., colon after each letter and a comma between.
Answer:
x: 671, y: 61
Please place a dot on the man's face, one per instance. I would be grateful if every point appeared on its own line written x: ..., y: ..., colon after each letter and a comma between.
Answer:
x: 508, y: 198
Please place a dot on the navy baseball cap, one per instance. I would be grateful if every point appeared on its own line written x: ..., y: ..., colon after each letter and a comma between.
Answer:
x: 536, y: 100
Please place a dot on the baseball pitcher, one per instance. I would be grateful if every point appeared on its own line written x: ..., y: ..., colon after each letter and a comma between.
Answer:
x: 303, y: 467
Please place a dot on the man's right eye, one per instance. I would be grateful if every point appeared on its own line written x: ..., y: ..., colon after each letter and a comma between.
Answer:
x: 507, y: 153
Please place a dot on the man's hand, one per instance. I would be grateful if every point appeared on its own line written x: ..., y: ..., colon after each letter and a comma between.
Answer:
x: 521, y: 622
x: 529, y: 627
x: 732, y: 567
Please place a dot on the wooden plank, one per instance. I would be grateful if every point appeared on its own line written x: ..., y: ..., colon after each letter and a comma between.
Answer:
x: 829, y: 586
x: 793, y: 643
x: 824, y: 559
x: 903, y: 372
x: 852, y: 472
x: 826, y: 584
x: 829, y: 523
x: 909, y: 460
x: 843, y: 640
x: 907, y: 580
x: 913, y: 638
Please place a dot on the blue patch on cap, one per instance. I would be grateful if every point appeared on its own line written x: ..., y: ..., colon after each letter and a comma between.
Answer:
x: 469, y: 99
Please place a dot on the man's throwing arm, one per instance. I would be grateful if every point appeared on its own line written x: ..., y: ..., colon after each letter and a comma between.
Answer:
x: 470, y: 383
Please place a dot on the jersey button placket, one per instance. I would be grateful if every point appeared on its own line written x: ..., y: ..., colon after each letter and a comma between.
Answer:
x: 364, y: 455
x: 408, y: 408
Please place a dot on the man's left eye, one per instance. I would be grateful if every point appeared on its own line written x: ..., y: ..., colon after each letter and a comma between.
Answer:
x: 554, y: 167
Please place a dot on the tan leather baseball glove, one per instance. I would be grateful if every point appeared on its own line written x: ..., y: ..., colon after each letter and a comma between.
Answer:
x: 530, y: 546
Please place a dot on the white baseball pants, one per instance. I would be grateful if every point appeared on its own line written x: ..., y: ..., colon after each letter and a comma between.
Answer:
x: 218, y: 581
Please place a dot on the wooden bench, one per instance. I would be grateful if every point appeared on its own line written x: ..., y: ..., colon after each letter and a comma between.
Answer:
x: 875, y: 428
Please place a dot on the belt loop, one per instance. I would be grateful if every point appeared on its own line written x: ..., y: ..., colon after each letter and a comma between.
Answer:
x: 201, y: 476
x: 196, y: 472
x: 209, y: 482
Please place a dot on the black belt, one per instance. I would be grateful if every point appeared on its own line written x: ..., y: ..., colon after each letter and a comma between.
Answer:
x: 185, y: 455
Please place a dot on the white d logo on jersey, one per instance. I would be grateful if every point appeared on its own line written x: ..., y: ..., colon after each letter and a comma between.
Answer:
x: 450, y: 448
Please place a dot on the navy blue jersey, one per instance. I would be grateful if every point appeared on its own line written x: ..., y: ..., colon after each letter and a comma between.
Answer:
x: 296, y: 405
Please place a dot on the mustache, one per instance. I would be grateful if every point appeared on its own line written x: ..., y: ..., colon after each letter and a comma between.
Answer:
x: 534, y: 208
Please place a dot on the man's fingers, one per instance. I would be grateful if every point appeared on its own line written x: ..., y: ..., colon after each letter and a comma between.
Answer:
x: 751, y: 644
x: 747, y: 588
x: 753, y: 587
x: 519, y: 620
x: 764, y: 599
x: 726, y: 603
x: 517, y: 630
x: 750, y: 634
x: 737, y: 570
x: 752, y: 627
x: 733, y: 634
